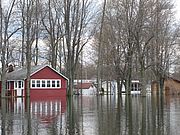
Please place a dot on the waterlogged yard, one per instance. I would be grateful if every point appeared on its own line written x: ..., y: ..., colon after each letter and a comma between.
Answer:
x: 91, y: 115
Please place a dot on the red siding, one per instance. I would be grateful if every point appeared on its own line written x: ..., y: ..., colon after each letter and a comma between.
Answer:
x: 48, y: 73
x: 47, y: 93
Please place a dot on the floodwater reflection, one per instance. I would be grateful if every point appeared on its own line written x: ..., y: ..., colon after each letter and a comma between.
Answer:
x: 31, y: 117
x: 91, y: 115
x: 129, y: 115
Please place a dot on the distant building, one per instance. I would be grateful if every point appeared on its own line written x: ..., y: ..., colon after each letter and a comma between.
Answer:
x: 87, y: 88
x: 111, y: 87
x: 171, y: 86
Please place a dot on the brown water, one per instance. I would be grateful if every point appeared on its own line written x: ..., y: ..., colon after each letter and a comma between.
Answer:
x: 91, y: 115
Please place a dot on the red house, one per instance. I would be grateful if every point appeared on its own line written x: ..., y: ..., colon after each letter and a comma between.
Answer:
x: 46, y: 82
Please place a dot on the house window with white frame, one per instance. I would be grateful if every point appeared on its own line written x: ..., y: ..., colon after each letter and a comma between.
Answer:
x: 53, y: 84
x: 19, y: 84
x: 43, y: 84
x: 57, y: 83
x: 33, y: 84
x: 8, y: 85
x: 48, y: 83
x: 37, y: 83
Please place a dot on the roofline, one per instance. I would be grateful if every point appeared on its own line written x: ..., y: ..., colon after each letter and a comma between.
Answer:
x: 50, y: 68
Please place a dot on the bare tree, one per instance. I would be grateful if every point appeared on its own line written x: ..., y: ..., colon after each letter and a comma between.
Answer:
x: 143, y: 35
x: 122, y: 40
x: 28, y: 35
x: 76, y: 22
x: 52, y: 22
x: 37, y: 29
x: 139, y: 37
x: 99, y: 65
x: 165, y: 37
x: 5, y: 36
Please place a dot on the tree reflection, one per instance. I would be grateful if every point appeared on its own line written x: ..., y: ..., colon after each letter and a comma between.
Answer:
x: 70, y: 117
x: 102, y: 115
x: 143, y: 129
x: 128, y: 107
x: 118, y: 115
x: 28, y: 116
x: 3, y: 116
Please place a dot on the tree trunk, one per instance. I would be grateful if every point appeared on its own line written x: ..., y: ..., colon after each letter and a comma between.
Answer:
x: 99, y: 66
x: 3, y: 80
x: 143, y: 88
x: 161, y: 85
x: 129, y: 72
x: 119, y: 85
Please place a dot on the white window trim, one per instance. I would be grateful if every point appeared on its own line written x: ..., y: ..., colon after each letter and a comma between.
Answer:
x: 17, y: 81
x: 8, y: 85
x: 46, y: 83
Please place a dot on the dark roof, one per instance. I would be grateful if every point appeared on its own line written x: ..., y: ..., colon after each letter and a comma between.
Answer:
x: 21, y: 73
x: 83, y: 85
x: 175, y: 79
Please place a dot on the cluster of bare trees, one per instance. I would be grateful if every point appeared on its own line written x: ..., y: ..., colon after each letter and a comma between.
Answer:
x: 64, y: 25
x: 137, y: 41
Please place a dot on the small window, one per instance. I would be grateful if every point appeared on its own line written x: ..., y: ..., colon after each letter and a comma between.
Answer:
x: 15, y: 85
x: 135, y: 86
x: 43, y: 83
x: 19, y: 84
x: 48, y: 83
x: 33, y: 83
x: 38, y: 83
x: 132, y: 87
x: 8, y: 85
x: 53, y: 84
x: 22, y: 84
x: 58, y: 83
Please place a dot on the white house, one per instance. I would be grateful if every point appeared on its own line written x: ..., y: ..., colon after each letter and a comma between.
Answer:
x: 111, y: 87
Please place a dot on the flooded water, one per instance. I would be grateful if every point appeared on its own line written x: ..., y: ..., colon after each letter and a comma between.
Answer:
x: 91, y: 115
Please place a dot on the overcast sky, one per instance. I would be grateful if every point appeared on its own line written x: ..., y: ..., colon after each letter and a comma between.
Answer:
x: 177, y: 5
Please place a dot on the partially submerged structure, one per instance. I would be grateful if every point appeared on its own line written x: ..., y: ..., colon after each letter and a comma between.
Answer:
x: 45, y: 82
x: 110, y: 87
x: 171, y: 86
x: 87, y: 88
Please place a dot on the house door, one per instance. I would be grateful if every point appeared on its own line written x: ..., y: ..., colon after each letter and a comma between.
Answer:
x: 19, y: 86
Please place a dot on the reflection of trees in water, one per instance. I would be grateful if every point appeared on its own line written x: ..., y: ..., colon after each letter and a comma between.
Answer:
x: 100, y: 115
x: 19, y: 116
x: 3, y: 116
x: 131, y: 114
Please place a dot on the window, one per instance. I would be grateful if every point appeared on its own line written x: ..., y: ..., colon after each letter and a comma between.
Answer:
x: 8, y: 85
x: 53, y: 83
x: 38, y: 83
x: 33, y: 83
x: 22, y: 84
x: 19, y: 84
x: 45, y: 83
x: 15, y: 86
x: 58, y: 84
x: 135, y: 86
x: 48, y: 83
